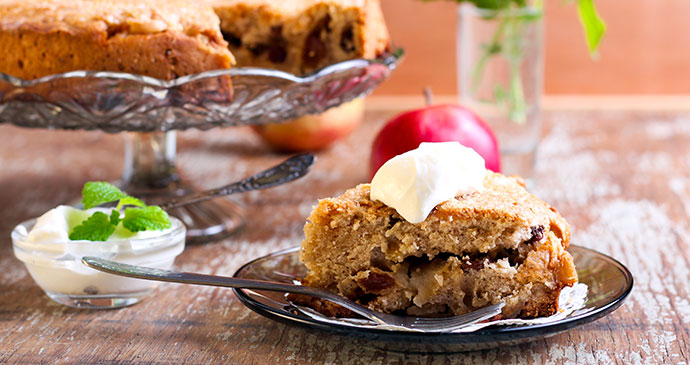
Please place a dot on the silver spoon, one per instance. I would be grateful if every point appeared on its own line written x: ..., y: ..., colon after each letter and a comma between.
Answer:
x: 291, y: 169
x: 397, y: 322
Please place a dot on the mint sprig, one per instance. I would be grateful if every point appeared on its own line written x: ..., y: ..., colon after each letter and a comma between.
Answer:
x: 147, y: 218
x: 128, y: 200
x: 99, y: 226
x: 95, y: 228
x: 96, y: 193
x: 115, y: 217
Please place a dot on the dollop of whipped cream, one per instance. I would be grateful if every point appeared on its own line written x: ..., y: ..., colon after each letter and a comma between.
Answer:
x: 414, y: 182
x: 56, y: 224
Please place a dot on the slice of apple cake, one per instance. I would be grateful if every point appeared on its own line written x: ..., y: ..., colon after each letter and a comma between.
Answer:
x: 499, y: 244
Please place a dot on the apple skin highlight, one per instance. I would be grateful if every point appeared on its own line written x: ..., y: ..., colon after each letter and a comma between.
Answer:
x: 437, y: 123
x: 313, y: 132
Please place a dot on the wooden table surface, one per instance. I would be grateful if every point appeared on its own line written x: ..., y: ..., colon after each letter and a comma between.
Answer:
x: 621, y: 178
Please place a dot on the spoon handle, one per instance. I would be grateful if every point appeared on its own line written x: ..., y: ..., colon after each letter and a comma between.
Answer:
x: 148, y: 273
x: 291, y: 169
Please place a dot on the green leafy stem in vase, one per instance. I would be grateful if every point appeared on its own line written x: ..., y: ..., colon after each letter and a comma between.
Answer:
x: 508, y: 42
x: 514, y: 18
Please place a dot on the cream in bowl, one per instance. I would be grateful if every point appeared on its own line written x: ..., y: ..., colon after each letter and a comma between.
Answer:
x: 52, y: 246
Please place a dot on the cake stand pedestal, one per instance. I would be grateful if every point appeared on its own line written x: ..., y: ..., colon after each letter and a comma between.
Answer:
x: 150, y: 173
x: 151, y: 110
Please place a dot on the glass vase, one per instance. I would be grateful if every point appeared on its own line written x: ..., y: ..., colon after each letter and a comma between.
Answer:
x: 500, y: 73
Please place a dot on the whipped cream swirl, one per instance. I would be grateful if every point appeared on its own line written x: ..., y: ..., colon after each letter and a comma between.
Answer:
x: 414, y: 182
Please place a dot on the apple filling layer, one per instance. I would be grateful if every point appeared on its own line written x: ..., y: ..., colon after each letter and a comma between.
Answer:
x: 449, y: 283
x: 498, y: 245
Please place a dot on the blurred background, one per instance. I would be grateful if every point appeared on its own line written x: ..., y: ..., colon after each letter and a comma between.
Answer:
x: 645, y: 50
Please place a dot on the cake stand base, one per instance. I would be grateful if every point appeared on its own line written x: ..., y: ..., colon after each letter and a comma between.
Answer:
x: 206, y: 221
x: 150, y: 174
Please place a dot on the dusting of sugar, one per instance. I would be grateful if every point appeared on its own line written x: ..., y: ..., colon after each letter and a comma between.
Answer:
x: 680, y: 186
x: 624, y: 229
x: 576, y: 174
x: 650, y: 162
x: 582, y: 183
x: 664, y: 129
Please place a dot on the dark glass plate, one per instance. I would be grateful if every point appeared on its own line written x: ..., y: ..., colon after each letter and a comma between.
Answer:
x: 608, y: 280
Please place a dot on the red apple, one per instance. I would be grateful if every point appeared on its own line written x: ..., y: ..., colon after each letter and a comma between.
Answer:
x: 438, y: 123
x: 313, y: 132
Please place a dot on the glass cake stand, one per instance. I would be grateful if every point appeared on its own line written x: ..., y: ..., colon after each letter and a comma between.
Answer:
x: 152, y: 110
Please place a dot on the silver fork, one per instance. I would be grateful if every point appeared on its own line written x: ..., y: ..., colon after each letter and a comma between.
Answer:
x: 405, y: 322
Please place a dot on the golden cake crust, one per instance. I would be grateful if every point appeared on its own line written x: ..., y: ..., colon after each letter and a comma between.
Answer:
x: 504, y: 198
x: 500, y: 244
x: 158, y: 38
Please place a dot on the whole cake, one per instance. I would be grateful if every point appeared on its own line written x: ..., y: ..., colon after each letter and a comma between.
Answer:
x: 158, y: 38
x: 167, y: 39
x: 299, y: 36
x: 497, y: 244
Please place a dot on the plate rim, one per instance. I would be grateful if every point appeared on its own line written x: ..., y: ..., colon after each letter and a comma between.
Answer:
x: 487, y: 334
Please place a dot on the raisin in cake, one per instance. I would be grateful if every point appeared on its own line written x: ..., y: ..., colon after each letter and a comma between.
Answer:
x: 500, y: 244
x: 159, y: 38
x: 299, y: 36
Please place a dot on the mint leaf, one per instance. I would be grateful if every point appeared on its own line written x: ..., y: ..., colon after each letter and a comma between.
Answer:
x: 129, y: 200
x: 592, y: 23
x: 95, y: 228
x: 99, y: 226
x: 115, y: 217
x: 148, y: 218
x: 96, y: 193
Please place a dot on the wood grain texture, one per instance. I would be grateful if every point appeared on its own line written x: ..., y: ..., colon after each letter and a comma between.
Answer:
x: 622, y: 179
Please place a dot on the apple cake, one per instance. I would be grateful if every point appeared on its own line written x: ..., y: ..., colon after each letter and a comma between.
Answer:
x: 167, y: 39
x: 300, y: 36
x: 164, y: 39
x: 501, y: 244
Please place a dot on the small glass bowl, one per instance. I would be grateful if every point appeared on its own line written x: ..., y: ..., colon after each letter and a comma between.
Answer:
x: 57, y: 269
